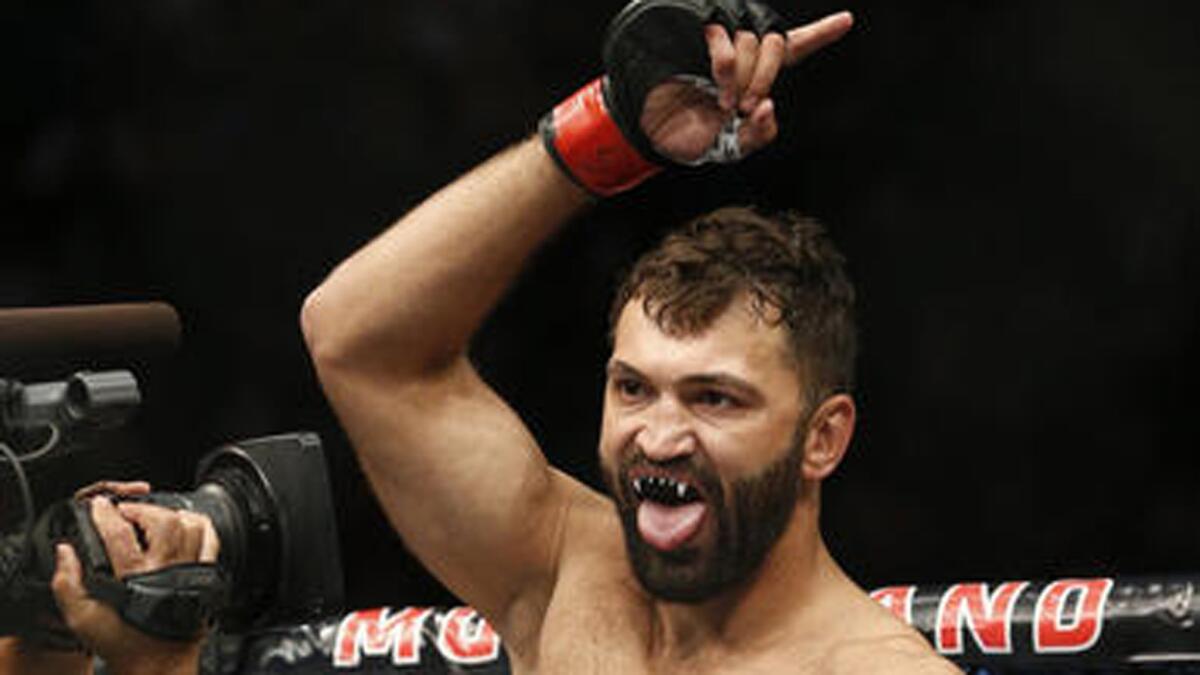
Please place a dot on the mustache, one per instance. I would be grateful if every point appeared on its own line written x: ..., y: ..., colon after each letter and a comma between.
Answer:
x: 633, y: 456
x: 695, y: 467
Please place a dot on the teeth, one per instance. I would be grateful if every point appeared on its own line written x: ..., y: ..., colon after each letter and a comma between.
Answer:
x: 663, y: 489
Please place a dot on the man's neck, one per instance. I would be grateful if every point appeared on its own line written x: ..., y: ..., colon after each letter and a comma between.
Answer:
x: 782, y: 595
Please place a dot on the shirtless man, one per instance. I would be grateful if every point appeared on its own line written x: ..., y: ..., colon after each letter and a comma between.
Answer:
x: 726, y: 405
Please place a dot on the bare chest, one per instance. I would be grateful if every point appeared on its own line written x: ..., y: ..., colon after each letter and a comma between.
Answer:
x: 608, y: 631
x: 594, y: 628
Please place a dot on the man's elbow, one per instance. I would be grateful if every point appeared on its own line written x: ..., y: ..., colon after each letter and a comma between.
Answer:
x: 342, y: 343
x: 343, y: 340
x: 318, y: 323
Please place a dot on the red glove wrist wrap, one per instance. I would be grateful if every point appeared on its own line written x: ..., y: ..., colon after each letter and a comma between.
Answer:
x: 587, y: 144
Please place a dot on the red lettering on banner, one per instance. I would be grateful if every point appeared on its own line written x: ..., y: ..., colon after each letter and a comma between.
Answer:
x: 373, y: 632
x: 1054, y: 632
x: 465, y: 637
x: 989, y: 619
x: 898, y: 599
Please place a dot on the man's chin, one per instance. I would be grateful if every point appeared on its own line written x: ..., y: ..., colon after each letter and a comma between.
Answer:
x: 684, y: 574
x: 671, y: 588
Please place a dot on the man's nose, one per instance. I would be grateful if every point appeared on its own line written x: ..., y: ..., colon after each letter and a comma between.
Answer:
x: 666, y: 432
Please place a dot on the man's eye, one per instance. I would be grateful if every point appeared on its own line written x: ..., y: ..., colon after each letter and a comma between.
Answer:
x: 628, y: 388
x: 712, y: 398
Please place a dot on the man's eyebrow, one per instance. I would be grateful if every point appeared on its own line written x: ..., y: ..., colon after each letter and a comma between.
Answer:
x: 619, y: 367
x: 724, y: 380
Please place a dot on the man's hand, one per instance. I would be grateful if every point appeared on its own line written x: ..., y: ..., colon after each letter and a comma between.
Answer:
x: 688, y: 83
x: 138, y: 538
x: 682, y: 121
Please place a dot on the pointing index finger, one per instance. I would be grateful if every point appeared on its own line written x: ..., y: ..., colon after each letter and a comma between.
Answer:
x: 806, y: 39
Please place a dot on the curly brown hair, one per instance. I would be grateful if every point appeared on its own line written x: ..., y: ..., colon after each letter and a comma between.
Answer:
x: 788, y: 265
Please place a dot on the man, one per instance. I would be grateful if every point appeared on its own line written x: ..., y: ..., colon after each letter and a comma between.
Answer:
x: 138, y: 538
x: 726, y: 402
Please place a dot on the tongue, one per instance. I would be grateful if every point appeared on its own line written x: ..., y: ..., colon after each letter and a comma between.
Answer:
x: 666, y: 527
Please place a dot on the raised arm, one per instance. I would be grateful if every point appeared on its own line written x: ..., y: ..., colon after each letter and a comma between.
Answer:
x: 458, y: 475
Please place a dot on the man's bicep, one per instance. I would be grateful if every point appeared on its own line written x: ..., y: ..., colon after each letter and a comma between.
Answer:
x: 462, y: 480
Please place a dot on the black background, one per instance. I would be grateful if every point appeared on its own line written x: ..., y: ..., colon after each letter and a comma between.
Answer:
x: 1015, y: 184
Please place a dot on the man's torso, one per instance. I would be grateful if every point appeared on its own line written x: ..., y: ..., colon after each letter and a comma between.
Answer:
x: 599, y: 620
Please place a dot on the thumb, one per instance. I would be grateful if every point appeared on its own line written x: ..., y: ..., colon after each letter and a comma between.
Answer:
x: 67, y: 585
x: 67, y: 582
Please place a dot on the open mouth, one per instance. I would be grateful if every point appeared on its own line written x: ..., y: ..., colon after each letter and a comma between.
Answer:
x: 670, y: 511
x: 665, y: 490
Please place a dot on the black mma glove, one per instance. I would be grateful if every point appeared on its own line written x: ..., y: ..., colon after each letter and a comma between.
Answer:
x: 596, y: 135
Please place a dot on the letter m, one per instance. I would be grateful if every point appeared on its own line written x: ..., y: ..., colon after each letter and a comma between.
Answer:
x: 375, y: 632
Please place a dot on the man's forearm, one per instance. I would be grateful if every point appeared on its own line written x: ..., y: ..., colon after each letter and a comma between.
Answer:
x: 410, y: 300
x: 183, y: 659
x: 18, y: 657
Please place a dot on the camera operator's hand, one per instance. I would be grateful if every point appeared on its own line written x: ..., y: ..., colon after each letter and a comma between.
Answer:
x: 139, y: 538
x: 113, y: 487
x: 21, y: 656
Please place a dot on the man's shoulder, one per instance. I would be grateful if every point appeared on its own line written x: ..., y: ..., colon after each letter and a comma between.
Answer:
x: 871, y: 639
x: 901, y: 653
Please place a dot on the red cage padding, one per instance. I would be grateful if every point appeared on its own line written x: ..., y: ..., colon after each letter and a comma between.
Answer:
x: 1062, y: 624
x: 1097, y: 625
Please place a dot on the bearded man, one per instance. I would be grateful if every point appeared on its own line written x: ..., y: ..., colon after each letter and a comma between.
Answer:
x: 727, y: 399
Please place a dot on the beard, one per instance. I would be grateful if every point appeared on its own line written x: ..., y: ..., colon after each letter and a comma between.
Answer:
x: 748, y: 522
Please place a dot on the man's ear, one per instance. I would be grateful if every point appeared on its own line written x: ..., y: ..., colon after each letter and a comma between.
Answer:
x: 828, y: 437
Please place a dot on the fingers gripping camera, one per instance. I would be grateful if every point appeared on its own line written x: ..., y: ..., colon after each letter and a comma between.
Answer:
x: 176, y: 602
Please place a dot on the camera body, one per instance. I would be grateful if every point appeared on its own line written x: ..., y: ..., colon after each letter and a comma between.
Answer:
x: 269, y: 500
